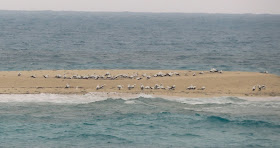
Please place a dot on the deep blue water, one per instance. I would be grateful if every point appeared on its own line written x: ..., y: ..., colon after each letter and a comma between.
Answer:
x: 84, y: 40
x: 140, y: 122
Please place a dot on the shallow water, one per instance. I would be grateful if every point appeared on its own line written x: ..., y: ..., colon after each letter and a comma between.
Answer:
x: 95, y: 121
x: 83, y: 40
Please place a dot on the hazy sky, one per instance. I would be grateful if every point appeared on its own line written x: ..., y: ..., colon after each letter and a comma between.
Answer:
x: 192, y: 6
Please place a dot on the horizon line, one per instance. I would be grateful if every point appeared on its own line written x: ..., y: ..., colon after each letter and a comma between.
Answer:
x: 156, y: 12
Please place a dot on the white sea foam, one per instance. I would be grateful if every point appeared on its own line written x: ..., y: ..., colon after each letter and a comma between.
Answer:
x: 100, y: 96
x: 68, y: 98
x: 130, y: 102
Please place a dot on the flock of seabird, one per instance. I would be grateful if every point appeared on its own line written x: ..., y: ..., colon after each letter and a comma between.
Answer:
x: 136, y: 76
x: 108, y: 76
x: 260, y: 87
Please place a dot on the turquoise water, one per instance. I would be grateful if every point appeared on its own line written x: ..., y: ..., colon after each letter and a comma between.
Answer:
x: 90, y: 121
x: 83, y: 40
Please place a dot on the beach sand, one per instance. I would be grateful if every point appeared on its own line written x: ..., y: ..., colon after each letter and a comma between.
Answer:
x: 228, y: 83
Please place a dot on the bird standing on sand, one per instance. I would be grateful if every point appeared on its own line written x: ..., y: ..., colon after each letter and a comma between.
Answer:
x: 191, y: 87
x: 176, y: 73
x: 46, y: 76
x: 161, y: 86
x: 67, y: 86
x: 142, y: 86
x: 19, y: 74
x: 156, y: 86
x: 120, y: 87
x: 138, y: 78
x: 254, y: 88
x: 58, y: 76
x: 97, y: 87
x: 107, y: 74
x: 130, y: 86
x: 260, y: 88
x: 100, y: 87
x: 147, y: 87
x: 213, y: 70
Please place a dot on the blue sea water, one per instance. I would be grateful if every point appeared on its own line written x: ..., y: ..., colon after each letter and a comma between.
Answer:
x: 46, y: 120
x: 85, y: 40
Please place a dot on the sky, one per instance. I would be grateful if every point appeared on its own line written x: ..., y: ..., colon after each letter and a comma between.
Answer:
x: 185, y: 6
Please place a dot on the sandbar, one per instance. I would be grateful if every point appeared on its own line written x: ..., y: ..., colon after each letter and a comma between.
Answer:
x: 227, y: 83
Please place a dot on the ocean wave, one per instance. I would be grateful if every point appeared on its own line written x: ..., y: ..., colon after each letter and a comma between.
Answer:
x: 213, y: 100
x: 104, y: 137
x: 218, y: 119
x: 244, y: 122
x: 129, y: 98
x: 188, y: 135
x: 251, y: 123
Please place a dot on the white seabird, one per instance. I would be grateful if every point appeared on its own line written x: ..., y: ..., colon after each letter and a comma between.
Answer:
x: 120, y: 87
x: 260, y: 87
x: 147, y: 87
x: 254, y: 88
x: 138, y: 78
x: 191, y: 87
x: 67, y: 86
x: 156, y: 86
x: 176, y: 73
x: 203, y: 87
x: 130, y: 86
x: 107, y: 74
x: 98, y: 87
x: 142, y: 86
x: 213, y: 70
x: 58, y: 76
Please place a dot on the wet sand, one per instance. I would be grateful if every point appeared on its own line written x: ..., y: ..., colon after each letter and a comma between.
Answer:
x: 227, y: 83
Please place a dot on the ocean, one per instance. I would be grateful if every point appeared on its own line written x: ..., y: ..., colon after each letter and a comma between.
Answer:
x: 92, y: 120
x: 106, y: 40
x: 86, y: 40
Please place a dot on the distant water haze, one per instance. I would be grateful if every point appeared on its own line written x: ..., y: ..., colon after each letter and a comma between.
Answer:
x: 187, y: 6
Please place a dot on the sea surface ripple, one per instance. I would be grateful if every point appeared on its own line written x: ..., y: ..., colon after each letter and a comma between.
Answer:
x: 137, y: 122
x: 87, y: 40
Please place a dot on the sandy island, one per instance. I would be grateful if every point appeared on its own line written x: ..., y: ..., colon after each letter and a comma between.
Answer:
x: 227, y: 83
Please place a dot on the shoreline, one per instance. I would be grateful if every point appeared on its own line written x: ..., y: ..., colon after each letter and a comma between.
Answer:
x: 226, y: 83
